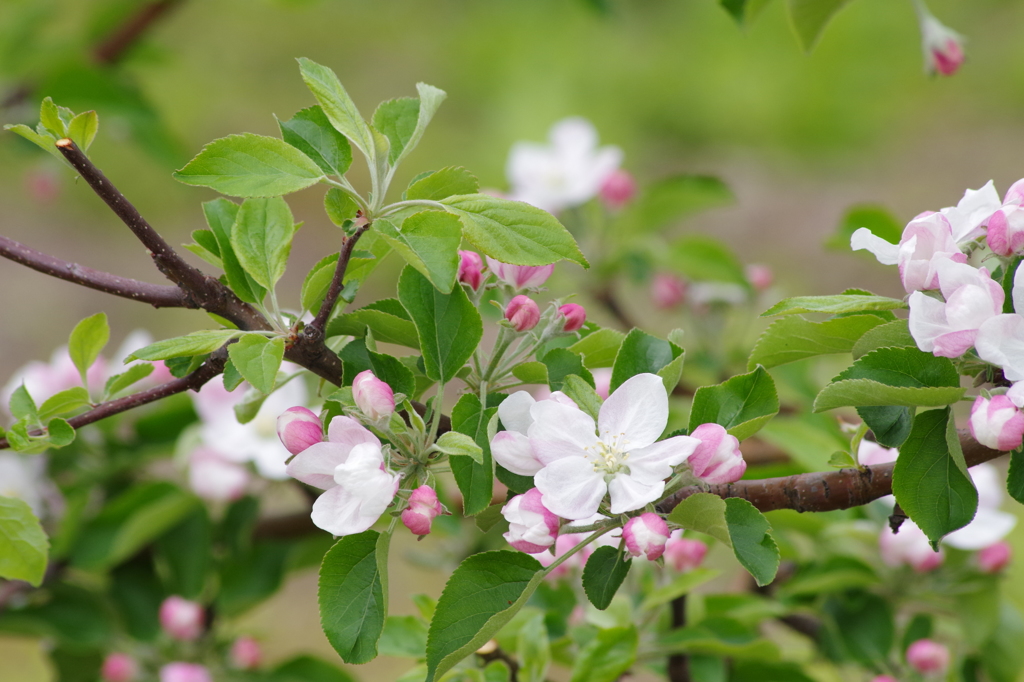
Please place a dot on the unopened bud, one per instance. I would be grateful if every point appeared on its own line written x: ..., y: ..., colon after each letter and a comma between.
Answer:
x: 943, y: 51
x: 667, y: 291
x: 618, y: 189
x: 684, y: 554
x: 646, y: 535
x: 997, y: 423
x: 118, y: 667
x: 718, y: 458
x: 181, y: 619
x: 575, y: 315
x: 246, y: 653
x: 185, y: 672
x: 298, y: 428
x: 422, y: 510
x: 523, y: 313
x: 760, y: 276
x: 374, y: 398
x: 532, y: 528
x: 471, y: 269
x: 927, y: 656
x: 994, y: 558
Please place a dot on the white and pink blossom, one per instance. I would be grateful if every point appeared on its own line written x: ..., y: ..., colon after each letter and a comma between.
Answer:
x: 520, y: 276
x: 997, y: 423
x: 646, y: 535
x: 717, y: 458
x: 994, y: 558
x: 949, y: 329
x: 618, y: 189
x: 214, y: 477
x: 511, y: 448
x: 667, y: 290
x: 574, y: 315
x: 760, y: 277
x: 870, y: 453
x: 927, y: 241
x: 522, y: 313
x: 562, y: 545
x: 374, y: 398
x: 990, y: 524
x: 603, y: 382
x: 684, y: 554
x: 942, y: 46
x: 119, y: 667
x: 532, y: 527
x: 182, y: 619
x: 299, y: 427
x: 909, y: 546
x: 928, y: 657
x: 185, y: 672
x: 246, y: 654
x: 423, y: 508
x: 349, y: 467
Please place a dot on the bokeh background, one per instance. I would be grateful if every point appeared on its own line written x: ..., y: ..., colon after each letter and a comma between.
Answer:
x: 675, y: 83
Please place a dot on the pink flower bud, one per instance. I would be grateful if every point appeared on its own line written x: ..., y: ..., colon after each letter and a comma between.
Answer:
x: 760, y: 276
x: 520, y: 276
x: 531, y: 527
x: 185, y: 672
x: 667, y: 291
x: 994, y: 558
x: 471, y: 269
x: 374, y: 398
x: 523, y: 313
x: 997, y: 423
x: 618, y: 189
x: 718, y: 458
x: 943, y: 52
x: 928, y: 656
x: 423, y: 508
x: 684, y: 554
x: 298, y: 428
x: 182, y: 619
x: 1005, y: 233
x: 118, y: 667
x: 646, y: 535
x: 575, y: 315
x: 246, y: 653
x: 603, y: 381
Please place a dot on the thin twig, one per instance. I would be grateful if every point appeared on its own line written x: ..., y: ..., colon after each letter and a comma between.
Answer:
x: 157, y: 295
x: 117, y: 44
x: 678, y: 665
x: 316, y: 327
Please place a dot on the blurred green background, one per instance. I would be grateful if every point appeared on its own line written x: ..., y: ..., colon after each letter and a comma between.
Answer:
x: 676, y: 83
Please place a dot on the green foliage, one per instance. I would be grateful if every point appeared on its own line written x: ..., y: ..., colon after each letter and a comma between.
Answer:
x: 599, y: 348
x: 606, y: 568
x: 703, y: 258
x: 220, y: 216
x: 834, y: 305
x: 742, y: 404
x: 862, y: 627
x: 428, y: 241
x: 561, y: 364
x: 606, y: 657
x: 891, y: 334
x: 675, y: 198
x: 249, y: 165
x: 257, y: 359
x: 809, y: 18
x: 352, y: 602
x: 876, y: 218
x: 474, y: 478
x: 533, y: 650
x: 87, y: 341
x: 317, y: 282
x: 442, y: 184
x: 311, y: 133
x: 23, y: 543
x: 404, y: 636
x: 339, y: 108
x: 583, y: 394
x: 308, y: 669
x: 262, y: 239
x: 795, y: 338
x: 640, y: 352
x: 387, y: 319
x: 196, y: 343
x: 455, y: 444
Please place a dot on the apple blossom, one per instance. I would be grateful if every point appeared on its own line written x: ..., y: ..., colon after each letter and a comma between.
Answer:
x: 949, y: 329
x: 943, y: 51
x: 575, y: 315
x: 1000, y: 340
x: 373, y: 397
x: 927, y: 241
x: 349, y: 466
x: 520, y: 276
x: 471, y: 269
x: 760, y: 276
x: 645, y: 535
x: 619, y: 455
x: 618, y: 189
x: 182, y: 619
x: 511, y: 448
x: 423, y: 508
x: 523, y: 313
x: 909, y: 546
x: 246, y: 653
x: 214, y: 477
x: 927, y: 656
x: 989, y: 525
x: 717, y: 458
x: 603, y: 382
x: 703, y: 294
x: 667, y: 290
x: 1005, y: 231
x: 532, y: 528
x: 568, y: 172
x: 870, y: 453
x: 684, y: 554
x: 24, y: 477
x: 997, y: 423
x: 185, y: 672
x: 119, y: 667
x: 994, y: 558
x: 298, y: 428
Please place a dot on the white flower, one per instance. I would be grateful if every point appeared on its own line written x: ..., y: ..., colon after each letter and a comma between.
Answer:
x: 619, y: 455
x: 511, y: 448
x: 989, y: 525
x: 967, y: 217
x: 568, y: 172
x: 926, y: 242
x: 949, y: 329
x: 349, y: 466
x: 24, y: 478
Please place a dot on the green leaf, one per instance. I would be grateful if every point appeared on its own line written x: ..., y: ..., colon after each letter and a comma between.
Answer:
x: 340, y: 206
x: 599, y: 348
x: 396, y: 119
x: 808, y: 439
x: 864, y: 624
x: 45, y: 142
x: 930, y: 480
x: 262, y: 238
x: 249, y: 165
x: 23, y: 544
x: 1002, y: 656
x: 428, y: 241
x: 391, y: 371
x: 460, y: 445
x: 351, y: 597
x: 744, y: 11
x: 83, y: 129
x: 893, y: 377
x: 562, y: 363
x: 703, y: 258
x: 809, y: 18
x: 481, y: 596
x: 59, y: 432
x: 448, y: 325
x: 513, y: 232
x: 606, y: 657
x: 583, y: 394
x: 442, y: 184
x: 640, y: 353
x: 386, y: 325
x: 1015, y: 478
x: 404, y: 636
x: 220, y: 216
x: 794, y: 338
x: 21, y: 404
x: 531, y: 372
x: 88, y: 339
x: 876, y: 218
x: 186, y: 550
x: 605, y: 570
x: 890, y: 334
x: 742, y: 404
x: 341, y: 111
x: 205, y: 247
x: 672, y: 199
x: 835, y: 304
x: 196, y: 343
x: 311, y: 132
x: 50, y: 118
x: 704, y: 513
x: 309, y: 669
x: 130, y: 521
x: 317, y: 282
x: 890, y: 424
x: 251, y: 576
x: 751, y: 540
x: 257, y: 359
x: 681, y: 585
x: 475, y: 480
x: 65, y: 402
x: 533, y: 650
x: 429, y: 101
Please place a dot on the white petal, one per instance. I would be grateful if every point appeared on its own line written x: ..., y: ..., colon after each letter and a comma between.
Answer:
x: 988, y: 527
x: 571, y: 488
x: 886, y: 252
x: 514, y: 412
x: 513, y: 451
x: 337, y: 512
x: 655, y: 462
x: 348, y: 432
x: 1001, y: 342
x: 574, y: 135
x: 990, y: 485
x: 627, y: 493
x: 316, y: 464
x: 1017, y: 293
x: 927, y: 320
x: 637, y: 411
x: 560, y: 431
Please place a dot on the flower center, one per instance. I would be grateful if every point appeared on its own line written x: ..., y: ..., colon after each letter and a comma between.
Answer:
x: 609, y: 454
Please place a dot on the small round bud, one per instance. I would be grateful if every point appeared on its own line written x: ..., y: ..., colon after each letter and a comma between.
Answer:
x: 994, y: 558
x: 667, y: 291
x: 684, y: 554
x: 997, y: 423
x: 646, y: 535
x: 575, y: 315
x: 531, y: 527
x: 246, y: 654
x: 471, y: 269
x: 119, y: 667
x: 374, y: 398
x: 182, y: 619
x: 928, y: 656
x: 618, y: 189
x: 423, y: 508
x: 523, y: 313
x: 298, y: 428
x: 760, y: 276
x: 718, y: 458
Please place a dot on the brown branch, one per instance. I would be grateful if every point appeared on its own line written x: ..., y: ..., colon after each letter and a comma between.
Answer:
x: 822, y: 491
x: 678, y: 665
x: 315, y: 328
x: 117, y: 44
x: 157, y: 295
x: 213, y: 366
x: 606, y: 297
